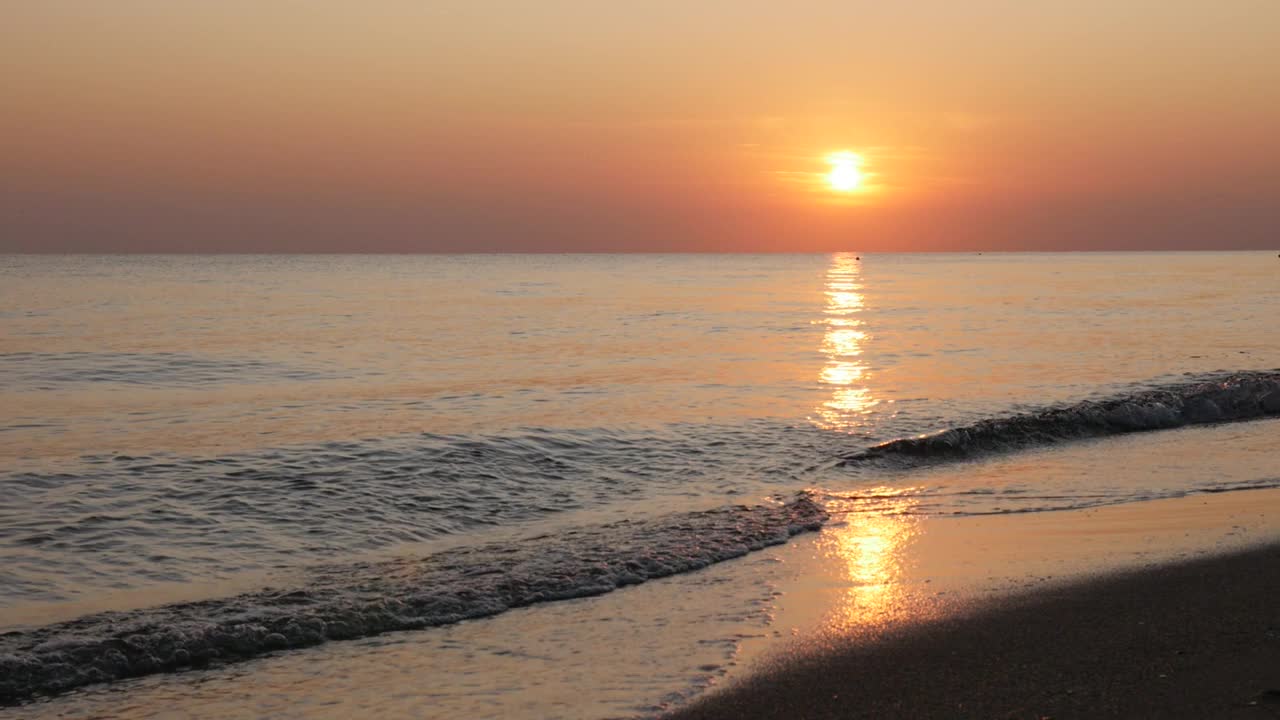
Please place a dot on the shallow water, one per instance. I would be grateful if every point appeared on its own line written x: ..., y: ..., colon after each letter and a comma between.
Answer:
x: 183, y: 427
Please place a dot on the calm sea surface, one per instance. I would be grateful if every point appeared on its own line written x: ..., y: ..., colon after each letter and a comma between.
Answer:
x: 186, y: 426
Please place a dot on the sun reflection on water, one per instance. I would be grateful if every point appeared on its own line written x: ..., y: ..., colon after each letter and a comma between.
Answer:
x: 845, y: 370
x: 870, y: 550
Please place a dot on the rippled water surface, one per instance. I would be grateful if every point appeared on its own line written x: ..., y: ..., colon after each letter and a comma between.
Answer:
x: 182, y: 427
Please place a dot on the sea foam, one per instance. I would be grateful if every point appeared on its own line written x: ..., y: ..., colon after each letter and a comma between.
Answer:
x: 358, y: 600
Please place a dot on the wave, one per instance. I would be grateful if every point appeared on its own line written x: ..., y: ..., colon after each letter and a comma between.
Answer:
x: 1229, y: 398
x: 112, y: 521
x: 359, y: 600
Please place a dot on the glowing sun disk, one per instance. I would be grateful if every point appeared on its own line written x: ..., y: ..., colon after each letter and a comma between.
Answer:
x: 845, y: 175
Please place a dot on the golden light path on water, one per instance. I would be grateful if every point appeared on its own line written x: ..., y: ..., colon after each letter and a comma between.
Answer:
x: 869, y: 552
x: 845, y: 370
x: 868, y: 548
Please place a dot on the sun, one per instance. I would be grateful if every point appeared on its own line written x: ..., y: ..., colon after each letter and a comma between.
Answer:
x: 846, y: 173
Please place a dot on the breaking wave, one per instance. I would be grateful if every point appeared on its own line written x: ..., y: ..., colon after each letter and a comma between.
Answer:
x: 359, y: 600
x: 1235, y: 397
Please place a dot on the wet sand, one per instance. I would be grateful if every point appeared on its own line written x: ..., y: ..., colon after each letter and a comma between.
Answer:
x: 1194, y: 635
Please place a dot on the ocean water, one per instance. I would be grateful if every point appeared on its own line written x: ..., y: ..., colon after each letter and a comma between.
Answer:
x: 207, y: 458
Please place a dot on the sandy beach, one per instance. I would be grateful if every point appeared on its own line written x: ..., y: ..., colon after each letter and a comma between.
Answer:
x: 1001, y: 617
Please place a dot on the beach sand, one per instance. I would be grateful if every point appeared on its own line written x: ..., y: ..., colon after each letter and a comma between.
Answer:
x: 1159, y: 609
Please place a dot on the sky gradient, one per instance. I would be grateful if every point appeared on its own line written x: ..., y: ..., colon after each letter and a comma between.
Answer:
x: 283, y: 126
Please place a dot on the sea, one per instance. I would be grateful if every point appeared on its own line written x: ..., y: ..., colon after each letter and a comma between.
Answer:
x: 410, y: 485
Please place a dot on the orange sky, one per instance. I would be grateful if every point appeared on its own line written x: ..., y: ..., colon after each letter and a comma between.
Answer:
x: 274, y: 125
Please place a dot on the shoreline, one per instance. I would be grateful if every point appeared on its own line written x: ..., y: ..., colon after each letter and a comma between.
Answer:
x: 863, y: 579
x: 1197, y: 639
x: 1161, y: 609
